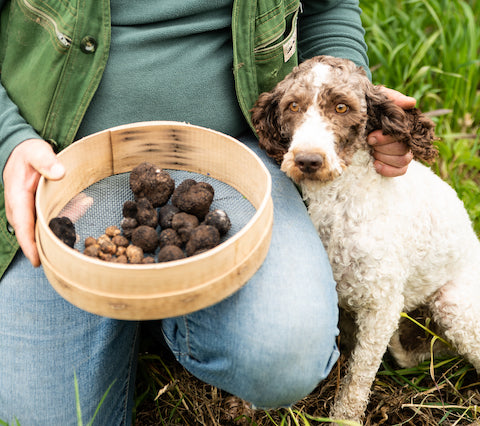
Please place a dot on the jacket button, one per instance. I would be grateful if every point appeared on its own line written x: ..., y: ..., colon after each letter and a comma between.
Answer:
x: 10, y: 229
x: 88, y: 44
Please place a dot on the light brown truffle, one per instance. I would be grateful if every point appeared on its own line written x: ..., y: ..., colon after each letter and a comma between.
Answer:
x: 120, y: 241
x: 92, y: 250
x: 120, y: 259
x: 90, y: 241
x: 121, y: 250
x: 107, y: 257
x: 134, y: 254
x: 106, y: 244
x: 113, y: 230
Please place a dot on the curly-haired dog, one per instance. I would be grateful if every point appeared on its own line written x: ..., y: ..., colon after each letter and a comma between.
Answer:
x: 394, y: 243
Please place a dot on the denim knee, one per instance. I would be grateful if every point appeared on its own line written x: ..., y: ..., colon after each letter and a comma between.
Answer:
x: 282, y: 371
x: 270, y: 364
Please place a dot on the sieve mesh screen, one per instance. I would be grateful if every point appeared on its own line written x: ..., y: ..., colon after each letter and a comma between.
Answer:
x: 100, y: 205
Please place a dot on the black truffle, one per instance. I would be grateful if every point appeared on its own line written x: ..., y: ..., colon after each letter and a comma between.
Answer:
x: 149, y: 181
x: 169, y: 237
x: 193, y: 197
x: 219, y: 219
x: 129, y: 208
x: 146, y: 238
x: 168, y: 253
x: 203, y: 237
x: 64, y: 229
x: 146, y: 213
x: 128, y: 225
x: 184, y: 223
x: 165, y: 215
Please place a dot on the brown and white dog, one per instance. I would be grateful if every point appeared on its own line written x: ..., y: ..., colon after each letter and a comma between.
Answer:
x: 394, y: 244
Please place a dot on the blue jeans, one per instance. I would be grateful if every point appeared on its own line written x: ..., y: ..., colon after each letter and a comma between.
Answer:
x: 270, y: 343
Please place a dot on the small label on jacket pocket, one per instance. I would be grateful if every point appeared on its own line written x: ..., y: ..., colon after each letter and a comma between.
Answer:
x: 290, y: 47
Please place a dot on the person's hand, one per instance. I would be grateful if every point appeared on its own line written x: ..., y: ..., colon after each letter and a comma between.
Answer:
x: 391, y: 157
x: 29, y: 161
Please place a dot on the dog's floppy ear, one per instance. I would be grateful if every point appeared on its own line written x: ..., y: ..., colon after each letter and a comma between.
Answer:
x: 265, y: 120
x: 408, y: 126
x: 422, y: 131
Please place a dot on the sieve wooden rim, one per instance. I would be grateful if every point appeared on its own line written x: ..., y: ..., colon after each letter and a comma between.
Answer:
x: 140, y: 292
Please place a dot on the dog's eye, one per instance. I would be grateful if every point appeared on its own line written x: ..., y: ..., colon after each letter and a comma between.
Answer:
x: 294, y: 107
x: 342, y: 108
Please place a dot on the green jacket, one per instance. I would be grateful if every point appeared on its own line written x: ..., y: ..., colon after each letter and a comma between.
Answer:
x: 58, y: 50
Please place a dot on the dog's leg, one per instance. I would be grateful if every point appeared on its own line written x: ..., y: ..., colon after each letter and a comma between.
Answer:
x: 410, y: 345
x: 411, y: 357
x: 375, y: 327
x: 406, y: 358
x: 456, y: 309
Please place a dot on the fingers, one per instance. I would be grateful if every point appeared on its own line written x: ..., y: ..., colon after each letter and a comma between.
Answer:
x: 396, y: 161
x: 385, y: 144
x: 403, y: 101
x: 26, y: 164
x: 22, y: 220
x: 391, y: 157
x: 389, y: 166
x: 44, y: 160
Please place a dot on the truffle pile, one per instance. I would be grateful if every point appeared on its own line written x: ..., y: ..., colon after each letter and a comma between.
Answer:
x: 114, y: 247
x: 176, y: 221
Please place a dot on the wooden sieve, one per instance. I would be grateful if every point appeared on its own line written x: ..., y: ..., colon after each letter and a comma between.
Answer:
x: 160, y: 290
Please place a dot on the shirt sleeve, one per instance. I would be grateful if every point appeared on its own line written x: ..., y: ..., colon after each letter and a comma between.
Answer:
x: 332, y: 28
x: 13, y: 128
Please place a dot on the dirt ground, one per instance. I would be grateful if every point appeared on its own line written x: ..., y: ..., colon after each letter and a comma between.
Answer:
x: 451, y: 397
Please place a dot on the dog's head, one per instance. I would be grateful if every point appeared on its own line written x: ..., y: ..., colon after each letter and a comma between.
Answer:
x: 314, y: 120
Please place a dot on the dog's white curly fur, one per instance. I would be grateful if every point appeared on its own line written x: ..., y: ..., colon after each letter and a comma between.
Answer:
x: 394, y: 243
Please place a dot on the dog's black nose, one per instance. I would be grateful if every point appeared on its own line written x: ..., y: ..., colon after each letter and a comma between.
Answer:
x: 308, y: 162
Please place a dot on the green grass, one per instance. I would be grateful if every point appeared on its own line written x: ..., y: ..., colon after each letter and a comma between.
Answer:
x: 428, y: 49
